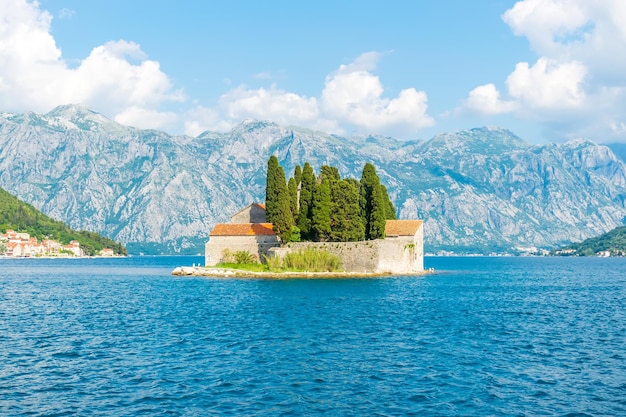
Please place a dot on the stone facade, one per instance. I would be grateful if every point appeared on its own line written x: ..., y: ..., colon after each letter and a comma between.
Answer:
x: 401, y: 252
x: 254, y: 213
x: 257, y: 246
x: 247, y: 231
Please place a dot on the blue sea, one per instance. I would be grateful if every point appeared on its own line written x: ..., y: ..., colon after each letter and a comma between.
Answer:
x: 480, y: 337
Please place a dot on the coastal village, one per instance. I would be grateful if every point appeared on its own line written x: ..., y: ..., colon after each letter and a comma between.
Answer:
x: 22, y: 245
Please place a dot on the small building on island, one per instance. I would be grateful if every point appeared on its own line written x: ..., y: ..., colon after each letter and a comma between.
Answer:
x: 400, y: 252
x: 247, y: 231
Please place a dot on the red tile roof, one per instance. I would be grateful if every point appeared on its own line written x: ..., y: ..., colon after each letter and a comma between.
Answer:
x: 243, y: 229
x: 402, y: 227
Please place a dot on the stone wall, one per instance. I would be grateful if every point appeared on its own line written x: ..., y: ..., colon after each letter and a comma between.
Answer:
x: 250, y: 214
x: 396, y: 255
x: 401, y: 254
x: 355, y: 256
x: 255, y: 245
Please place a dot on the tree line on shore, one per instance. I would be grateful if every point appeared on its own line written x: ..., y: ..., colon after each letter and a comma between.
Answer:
x: 325, y: 207
x: 22, y: 217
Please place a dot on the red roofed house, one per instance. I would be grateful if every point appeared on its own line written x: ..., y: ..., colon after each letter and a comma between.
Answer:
x: 247, y: 231
x: 402, y: 249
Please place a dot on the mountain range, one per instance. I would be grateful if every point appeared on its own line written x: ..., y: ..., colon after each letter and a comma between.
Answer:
x: 478, y: 190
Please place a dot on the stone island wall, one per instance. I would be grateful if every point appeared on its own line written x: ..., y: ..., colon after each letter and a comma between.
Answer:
x: 255, y: 245
x: 395, y: 255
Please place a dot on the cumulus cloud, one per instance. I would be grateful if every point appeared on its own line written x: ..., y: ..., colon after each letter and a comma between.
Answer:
x: 486, y: 99
x: 119, y: 80
x: 34, y: 76
x: 355, y: 96
x: 548, y: 84
x: 579, y: 73
x: 264, y: 104
x: 352, y: 99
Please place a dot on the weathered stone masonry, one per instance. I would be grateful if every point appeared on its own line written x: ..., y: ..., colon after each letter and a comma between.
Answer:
x: 401, y: 252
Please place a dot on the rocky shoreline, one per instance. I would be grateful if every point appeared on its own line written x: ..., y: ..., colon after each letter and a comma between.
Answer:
x: 200, y: 271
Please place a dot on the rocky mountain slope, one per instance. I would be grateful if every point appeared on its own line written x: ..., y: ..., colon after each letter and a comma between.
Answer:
x: 478, y: 190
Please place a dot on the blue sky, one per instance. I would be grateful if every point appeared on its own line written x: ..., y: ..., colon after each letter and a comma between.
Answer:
x: 549, y: 70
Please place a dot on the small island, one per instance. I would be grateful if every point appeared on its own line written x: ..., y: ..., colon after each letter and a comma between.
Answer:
x: 315, y: 226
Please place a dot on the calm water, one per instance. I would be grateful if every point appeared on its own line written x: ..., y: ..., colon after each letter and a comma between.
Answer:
x: 485, y: 336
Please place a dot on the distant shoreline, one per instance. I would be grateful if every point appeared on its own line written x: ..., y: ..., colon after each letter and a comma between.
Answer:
x: 64, y: 257
x: 200, y: 271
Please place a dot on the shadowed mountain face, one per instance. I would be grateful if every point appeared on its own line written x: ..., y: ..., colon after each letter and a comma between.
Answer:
x: 477, y: 190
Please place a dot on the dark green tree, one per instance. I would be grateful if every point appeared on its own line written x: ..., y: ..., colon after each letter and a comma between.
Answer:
x: 320, y: 223
x: 354, y: 182
x: 345, y: 218
x: 390, y: 210
x: 329, y: 173
x: 284, y: 219
x: 373, y: 206
x: 277, y: 207
x: 305, y: 214
x: 297, y: 175
x: 293, y: 197
x: 376, y: 220
x: 271, y: 189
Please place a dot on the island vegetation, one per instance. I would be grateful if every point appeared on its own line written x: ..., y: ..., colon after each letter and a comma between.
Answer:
x: 317, y: 208
x: 325, y: 207
x: 612, y: 243
x: 24, y: 218
x: 310, y: 260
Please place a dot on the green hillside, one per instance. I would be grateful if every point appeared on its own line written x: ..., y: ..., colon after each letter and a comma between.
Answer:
x: 22, y: 217
x: 613, y: 241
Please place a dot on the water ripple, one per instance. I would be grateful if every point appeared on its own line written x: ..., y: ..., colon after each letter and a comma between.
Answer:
x: 488, y: 337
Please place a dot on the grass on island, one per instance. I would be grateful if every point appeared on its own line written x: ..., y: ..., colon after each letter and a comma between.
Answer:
x: 256, y: 267
x: 303, y: 260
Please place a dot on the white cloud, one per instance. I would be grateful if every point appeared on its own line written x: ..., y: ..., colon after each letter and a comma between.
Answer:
x: 143, y: 118
x: 543, y: 22
x: 272, y: 103
x: 580, y: 71
x: 119, y: 80
x: 548, y: 84
x: 264, y: 104
x: 352, y: 99
x: 355, y: 96
x: 66, y: 13
x: 33, y: 75
x: 485, y: 99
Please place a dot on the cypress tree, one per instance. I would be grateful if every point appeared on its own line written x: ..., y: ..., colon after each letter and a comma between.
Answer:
x: 346, y: 224
x: 376, y: 220
x: 320, y: 223
x: 293, y: 197
x: 297, y: 175
x: 390, y: 210
x: 283, y: 220
x: 277, y: 206
x: 305, y: 214
x: 271, y: 191
x: 373, y: 206
x: 330, y: 173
